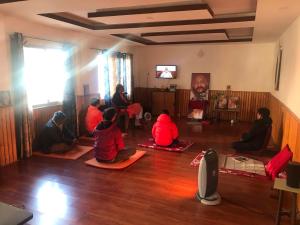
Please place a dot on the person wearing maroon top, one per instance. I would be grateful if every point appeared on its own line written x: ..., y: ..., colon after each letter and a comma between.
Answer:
x: 93, y: 116
x: 109, y: 145
x: 164, y: 131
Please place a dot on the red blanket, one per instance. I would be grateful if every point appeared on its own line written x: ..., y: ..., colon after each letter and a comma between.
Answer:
x: 180, y: 147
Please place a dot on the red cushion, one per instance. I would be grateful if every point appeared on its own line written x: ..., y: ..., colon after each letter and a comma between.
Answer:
x: 278, y: 162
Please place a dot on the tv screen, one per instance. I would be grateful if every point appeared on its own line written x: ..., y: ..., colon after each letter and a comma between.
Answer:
x: 166, y: 71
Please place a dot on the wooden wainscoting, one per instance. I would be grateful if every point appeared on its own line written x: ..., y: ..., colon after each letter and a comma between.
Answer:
x: 42, y: 115
x: 250, y: 101
x: 8, y: 150
x: 286, y: 128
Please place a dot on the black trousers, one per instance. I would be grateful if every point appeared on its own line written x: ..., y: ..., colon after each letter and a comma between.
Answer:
x: 121, y: 156
x: 244, y: 146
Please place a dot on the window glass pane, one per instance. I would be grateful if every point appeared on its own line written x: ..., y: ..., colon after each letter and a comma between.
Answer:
x: 45, y: 75
x: 113, y: 69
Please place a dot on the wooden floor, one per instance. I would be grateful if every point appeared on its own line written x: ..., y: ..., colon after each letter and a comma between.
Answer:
x: 158, y: 189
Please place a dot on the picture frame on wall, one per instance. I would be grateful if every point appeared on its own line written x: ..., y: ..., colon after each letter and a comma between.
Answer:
x: 233, y: 102
x: 222, y: 102
x: 278, y: 69
x: 200, y: 84
x: 5, y: 98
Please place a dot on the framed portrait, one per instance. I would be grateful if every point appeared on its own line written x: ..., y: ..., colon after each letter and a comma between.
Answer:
x: 233, y: 102
x: 200, y: 86
x: 222, y: 102
x: 5, y: 98
x: 278, y: 69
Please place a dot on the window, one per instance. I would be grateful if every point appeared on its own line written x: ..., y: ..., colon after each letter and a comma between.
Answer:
x: 114, y: 68
x: 45, y: 75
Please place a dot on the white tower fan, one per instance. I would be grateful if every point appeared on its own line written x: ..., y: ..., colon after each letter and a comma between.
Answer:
x: 208, y: 179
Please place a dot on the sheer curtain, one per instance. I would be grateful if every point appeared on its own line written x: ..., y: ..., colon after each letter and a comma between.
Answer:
x: 114, y: 68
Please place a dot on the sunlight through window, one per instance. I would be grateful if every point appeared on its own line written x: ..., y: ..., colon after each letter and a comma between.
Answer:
x: 45, y: 75
x: 113, y: 69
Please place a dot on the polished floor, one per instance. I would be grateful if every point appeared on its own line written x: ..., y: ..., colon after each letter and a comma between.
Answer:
x: 158, y: 189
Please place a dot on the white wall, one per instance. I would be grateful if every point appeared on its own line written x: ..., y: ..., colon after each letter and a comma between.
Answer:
x: 84, y: 58
x: 246, y: 67
x: 289, y: 88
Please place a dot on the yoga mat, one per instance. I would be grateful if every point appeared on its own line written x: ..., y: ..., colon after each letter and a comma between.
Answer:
x: 180, y: 147
x: 117, y: 165
x: 74, y: 154
x: 85, y: 138
x: 86, y: 141
x: 236, y: 165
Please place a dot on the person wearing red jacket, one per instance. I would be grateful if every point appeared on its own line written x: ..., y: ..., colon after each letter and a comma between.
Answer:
x: 93, y: 115
x: 109, y: 146
x: 164, y: 131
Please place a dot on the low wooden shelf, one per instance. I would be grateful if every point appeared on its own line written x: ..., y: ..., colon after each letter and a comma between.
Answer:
x: 163, y: 100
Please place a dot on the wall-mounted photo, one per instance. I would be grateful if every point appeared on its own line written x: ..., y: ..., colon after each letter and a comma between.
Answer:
x: 233, y: 102
x: 200, y: 86
x: 5, y: 98
x: 278, y: 69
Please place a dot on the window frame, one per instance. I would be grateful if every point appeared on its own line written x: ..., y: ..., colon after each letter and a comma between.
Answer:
x: 49, y: 103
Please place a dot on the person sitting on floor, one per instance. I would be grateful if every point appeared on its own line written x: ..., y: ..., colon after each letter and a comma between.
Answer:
x: 55, y: 137
x: 93, y: 116
x: 164, y: 131
x: 109, y: 145
x: 255, y: 138
x: 120, y: 101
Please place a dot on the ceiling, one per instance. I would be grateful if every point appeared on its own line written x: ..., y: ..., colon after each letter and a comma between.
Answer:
x: 163, y: 22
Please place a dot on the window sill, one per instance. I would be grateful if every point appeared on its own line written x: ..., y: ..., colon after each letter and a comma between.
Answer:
x: 50, y: 104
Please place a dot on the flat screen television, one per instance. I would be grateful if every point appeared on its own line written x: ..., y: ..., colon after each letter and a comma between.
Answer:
x: 166, y: 71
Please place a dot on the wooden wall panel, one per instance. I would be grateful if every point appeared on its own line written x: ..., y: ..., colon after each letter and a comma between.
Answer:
x: 41, y: 116
x: 250, y: 102
x: 286, y: 128
x: 8, y: 150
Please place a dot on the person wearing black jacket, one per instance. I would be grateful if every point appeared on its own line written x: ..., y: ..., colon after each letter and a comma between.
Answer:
x: 121, y: 102
x: 55, y: 137
x: 255, y: 138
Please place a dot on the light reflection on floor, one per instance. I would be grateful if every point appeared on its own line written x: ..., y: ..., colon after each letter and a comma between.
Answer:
x: 51, y: 203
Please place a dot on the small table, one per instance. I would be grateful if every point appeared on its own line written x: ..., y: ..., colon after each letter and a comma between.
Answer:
x: 13, y: 215
x: 219, y: 111
x: 280, y: 184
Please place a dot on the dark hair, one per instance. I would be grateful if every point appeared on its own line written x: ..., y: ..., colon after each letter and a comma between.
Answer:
x: 118, y: 87
x: 95, y: 101
x: 109, y: 113
x: 59, y: 117
x: 264, y: 112
x: 165, y: 111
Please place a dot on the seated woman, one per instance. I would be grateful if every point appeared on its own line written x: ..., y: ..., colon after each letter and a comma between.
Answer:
x: 109, y: 146
x: 93, y: 116
x: 55, y: 137
x: 120, y: 101
x: 164, y: 131
x: 255, y: 138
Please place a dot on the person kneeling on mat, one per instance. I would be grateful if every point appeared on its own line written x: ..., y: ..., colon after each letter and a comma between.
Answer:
x: 109, y: 145
x: 164, y: 131
x: 254, y: 139
x: 55, y: 137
